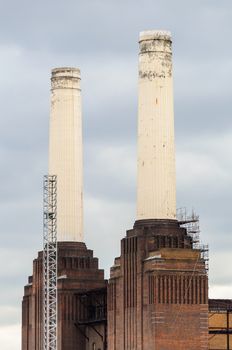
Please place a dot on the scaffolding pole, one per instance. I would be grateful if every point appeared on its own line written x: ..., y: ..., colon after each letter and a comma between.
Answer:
x: 191, y: 224
x: 50, y: 263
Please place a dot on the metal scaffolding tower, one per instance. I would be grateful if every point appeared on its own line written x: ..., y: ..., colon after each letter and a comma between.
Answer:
x: 50, y: 263
x: 191, y: 223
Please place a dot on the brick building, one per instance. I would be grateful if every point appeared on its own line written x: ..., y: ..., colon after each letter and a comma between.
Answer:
x: 158, y: 291
x: 158, y: 287
x: 157, y: 294
x: 80, y: 324
x: 220, y: 324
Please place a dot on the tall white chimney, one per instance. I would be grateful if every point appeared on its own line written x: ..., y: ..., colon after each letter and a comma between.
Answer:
x: 65, y: 152
x: 156, y: 183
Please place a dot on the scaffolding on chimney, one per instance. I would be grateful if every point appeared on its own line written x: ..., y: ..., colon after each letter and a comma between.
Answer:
x: 192, y: 226
x: 50, y: 263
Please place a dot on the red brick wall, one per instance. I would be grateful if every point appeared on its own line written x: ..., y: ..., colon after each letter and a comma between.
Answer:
x: 77, y: 263
x: 158, y: 295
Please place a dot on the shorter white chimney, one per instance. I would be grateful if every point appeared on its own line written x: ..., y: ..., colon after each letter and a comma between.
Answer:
x: 65, y: 151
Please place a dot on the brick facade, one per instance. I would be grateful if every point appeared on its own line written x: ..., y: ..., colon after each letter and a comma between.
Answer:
x: 158, y: 291
x: 78, y: 272
x: 157, y: 294
x: 220, y: 324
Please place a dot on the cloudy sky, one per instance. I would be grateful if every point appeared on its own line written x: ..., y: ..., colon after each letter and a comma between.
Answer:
x: 100, y: 37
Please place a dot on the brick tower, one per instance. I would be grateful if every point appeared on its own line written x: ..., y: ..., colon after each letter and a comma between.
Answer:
x: 80, y: 284
x: 158, y: 287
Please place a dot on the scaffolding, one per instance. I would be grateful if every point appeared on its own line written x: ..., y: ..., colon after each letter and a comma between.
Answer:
x: 50, y: 263
x: 191, y: 223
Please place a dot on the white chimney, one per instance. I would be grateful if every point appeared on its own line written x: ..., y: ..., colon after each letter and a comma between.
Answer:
x: 156, y: 183
x: 65, y: 152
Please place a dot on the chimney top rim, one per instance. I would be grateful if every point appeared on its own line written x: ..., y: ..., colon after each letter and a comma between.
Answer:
x: 155, y: 35
x: 61, y: 69
x: 70, y: 72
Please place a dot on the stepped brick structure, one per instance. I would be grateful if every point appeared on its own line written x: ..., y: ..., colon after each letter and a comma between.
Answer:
x: 158, y: 291
x: 78, y: 272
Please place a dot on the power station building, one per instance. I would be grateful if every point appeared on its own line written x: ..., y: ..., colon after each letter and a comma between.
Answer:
x: 158, y: 289
x: 77, y: 268
x: 157, y: 294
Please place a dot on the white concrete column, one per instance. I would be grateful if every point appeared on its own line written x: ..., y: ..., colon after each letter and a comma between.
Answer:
x: 65, y: 152
x: 156, y: 183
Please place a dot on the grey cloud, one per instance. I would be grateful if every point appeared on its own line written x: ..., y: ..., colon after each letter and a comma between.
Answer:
x: 111, y: 220
x: 60, y: 26
x: 110, y: 173
x: 220, y: 275
x: 7, y: 314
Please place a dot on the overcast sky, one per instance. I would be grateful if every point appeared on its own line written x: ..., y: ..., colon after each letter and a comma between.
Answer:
x: 100, y: 37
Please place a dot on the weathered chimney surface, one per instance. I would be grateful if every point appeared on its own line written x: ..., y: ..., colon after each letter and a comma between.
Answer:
x: 156, y: 184
x: 65, y: 151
